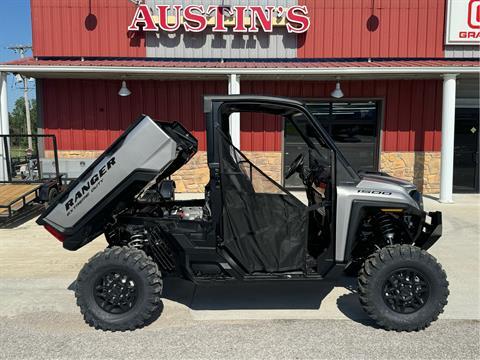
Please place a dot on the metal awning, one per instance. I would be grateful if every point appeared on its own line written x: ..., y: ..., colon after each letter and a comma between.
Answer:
x: 179, y: 68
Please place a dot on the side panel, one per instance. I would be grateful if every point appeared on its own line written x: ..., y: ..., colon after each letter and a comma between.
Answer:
x: 364, y: 191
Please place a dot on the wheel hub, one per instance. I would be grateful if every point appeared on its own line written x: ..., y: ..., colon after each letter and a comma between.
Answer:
x: 406, y: 291
x: 115, y: 292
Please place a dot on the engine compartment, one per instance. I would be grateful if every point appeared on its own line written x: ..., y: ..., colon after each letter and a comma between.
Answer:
x: 158, y: 201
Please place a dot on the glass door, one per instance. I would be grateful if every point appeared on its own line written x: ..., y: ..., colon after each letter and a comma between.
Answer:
x: 466, y: 167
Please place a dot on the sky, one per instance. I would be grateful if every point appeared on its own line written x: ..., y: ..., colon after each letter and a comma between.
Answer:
x: 15, y: 28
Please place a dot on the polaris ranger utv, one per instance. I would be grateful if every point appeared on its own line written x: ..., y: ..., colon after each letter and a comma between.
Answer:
x: 248, y: 227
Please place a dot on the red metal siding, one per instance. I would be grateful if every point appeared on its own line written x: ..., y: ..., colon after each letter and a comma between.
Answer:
x: 89, y: 114
x: 412, y: 111
x: 347, y: 29
x: 84, y: 28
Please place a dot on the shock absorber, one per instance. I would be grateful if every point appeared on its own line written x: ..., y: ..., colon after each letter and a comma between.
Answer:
x: 138, y: 239
x: 386, y: 226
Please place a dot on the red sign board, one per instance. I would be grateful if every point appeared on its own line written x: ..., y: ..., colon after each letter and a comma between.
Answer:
x: 242, y: 19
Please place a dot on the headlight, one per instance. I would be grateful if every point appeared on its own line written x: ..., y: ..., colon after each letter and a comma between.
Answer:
x: 417, y: 196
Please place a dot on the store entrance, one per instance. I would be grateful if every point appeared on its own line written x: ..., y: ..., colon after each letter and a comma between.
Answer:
x: 352, y: 125
x: 466, y: 163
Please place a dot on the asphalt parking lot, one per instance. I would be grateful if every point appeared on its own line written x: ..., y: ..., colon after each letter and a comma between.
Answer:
x: 39, y: 318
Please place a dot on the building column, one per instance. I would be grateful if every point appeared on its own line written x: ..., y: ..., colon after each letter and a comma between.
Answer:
x: 448, y: 137
x: 4, y: 125
x: 234, y: 89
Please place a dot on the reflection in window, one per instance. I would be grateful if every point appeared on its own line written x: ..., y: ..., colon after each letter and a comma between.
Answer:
x: 353, y: 127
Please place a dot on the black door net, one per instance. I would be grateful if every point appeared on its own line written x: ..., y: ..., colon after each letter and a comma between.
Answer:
x: 264, y: 226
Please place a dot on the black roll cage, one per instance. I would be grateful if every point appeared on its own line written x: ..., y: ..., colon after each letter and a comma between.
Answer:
x: 217, y: 110
x: 215, y: 106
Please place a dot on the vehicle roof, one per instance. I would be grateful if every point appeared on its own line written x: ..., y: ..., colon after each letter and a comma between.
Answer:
x: 251, y: 98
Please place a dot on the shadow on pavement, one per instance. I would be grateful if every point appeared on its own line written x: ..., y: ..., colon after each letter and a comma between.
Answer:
x: 251, y: 295
x: 350, y: 306
x: 264, y: 295
x: 21, y: 217
x: 261, y: 295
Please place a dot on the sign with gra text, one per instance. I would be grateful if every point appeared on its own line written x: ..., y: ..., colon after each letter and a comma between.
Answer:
x: 239, y: 19
x: 463, y: 22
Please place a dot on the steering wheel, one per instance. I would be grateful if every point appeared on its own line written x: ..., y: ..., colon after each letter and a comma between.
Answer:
x: 296, y: 165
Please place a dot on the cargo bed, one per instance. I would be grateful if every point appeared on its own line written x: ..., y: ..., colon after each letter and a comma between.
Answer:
x: 148, y: 150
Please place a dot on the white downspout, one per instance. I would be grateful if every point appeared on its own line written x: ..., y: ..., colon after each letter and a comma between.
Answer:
x: 4, y: 127
x: 448, y: 137
x: 234, y: 89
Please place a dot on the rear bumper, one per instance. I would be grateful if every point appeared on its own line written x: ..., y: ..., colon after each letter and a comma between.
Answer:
x: 431, y: 231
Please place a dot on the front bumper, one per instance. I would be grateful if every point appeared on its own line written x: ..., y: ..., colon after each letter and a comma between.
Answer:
x: 431, y: 230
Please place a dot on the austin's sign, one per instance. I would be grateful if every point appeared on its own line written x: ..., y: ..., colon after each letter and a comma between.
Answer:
x: 463, y: 22
x: 242, y: 19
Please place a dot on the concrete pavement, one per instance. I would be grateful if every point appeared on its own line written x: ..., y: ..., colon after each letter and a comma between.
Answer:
x: 39, y: 317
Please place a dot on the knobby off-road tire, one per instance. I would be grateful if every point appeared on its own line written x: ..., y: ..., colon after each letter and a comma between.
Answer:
x: 390, y: 277
x: 119, y: 289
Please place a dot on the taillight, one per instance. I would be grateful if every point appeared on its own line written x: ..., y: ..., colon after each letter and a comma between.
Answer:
x: 55, y: 233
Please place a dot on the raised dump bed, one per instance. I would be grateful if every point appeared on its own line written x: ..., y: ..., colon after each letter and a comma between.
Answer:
x: 148, y: 150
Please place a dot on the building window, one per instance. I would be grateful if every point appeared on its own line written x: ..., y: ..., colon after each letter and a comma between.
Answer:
x: 352, y: 125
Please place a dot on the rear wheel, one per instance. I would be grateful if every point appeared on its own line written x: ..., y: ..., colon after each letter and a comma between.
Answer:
x: 403, y: 288
x: 119, y: 289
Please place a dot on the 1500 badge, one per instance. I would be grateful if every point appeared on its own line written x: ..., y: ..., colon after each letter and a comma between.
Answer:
x: 374, y: 192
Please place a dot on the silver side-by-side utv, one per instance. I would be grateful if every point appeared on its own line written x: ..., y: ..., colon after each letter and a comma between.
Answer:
x: 248, y: 227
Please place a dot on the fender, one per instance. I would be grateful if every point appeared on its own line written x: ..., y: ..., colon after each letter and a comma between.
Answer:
x: 358, y: 212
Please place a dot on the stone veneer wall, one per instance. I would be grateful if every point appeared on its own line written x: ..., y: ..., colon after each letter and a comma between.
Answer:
x: 193, y: 177
x: 421, y: 168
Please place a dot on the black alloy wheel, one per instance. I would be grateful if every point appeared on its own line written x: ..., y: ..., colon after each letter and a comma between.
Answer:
x: 406, y: 291
x: 116, y: 291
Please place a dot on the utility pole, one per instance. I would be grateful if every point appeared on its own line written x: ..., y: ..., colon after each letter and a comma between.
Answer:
x: 22, y: 49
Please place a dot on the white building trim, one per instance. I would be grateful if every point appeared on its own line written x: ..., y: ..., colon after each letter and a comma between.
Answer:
x: 326, y: 71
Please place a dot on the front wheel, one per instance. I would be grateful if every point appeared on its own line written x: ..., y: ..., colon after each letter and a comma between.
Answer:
x: 402, y: 288
x: 119, y: 289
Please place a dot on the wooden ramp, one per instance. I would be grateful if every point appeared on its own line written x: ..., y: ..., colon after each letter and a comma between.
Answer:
x: 13, y: 197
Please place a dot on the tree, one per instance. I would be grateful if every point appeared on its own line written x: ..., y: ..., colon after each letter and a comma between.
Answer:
x: 18, y: 121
